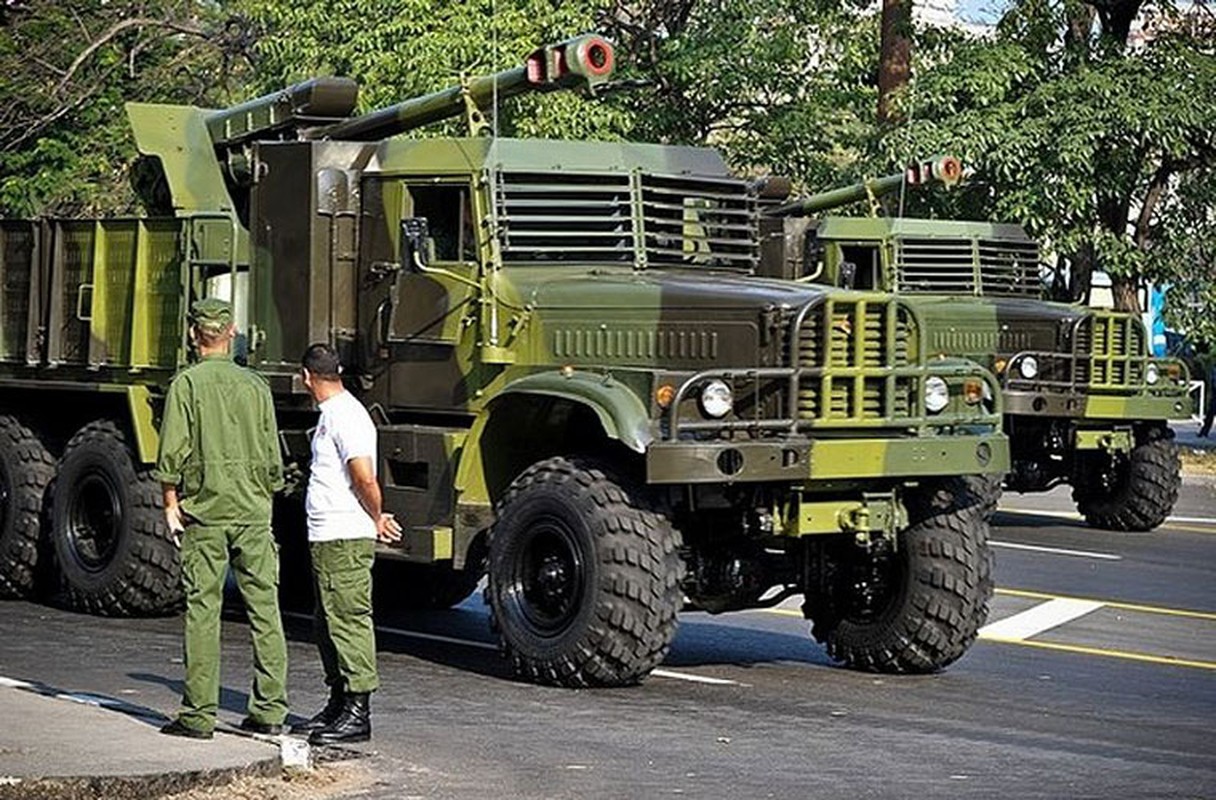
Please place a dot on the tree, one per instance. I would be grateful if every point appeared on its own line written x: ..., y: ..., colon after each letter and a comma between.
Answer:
x: 67, y: 68
x: 1087, y: 136
x: 895, y: 59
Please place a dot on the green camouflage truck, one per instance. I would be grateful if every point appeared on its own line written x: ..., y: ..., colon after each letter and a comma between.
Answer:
x: 1085, y: 402
x: 581, y: 386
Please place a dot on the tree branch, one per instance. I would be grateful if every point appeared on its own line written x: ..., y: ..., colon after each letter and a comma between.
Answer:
x: 1156, y: 188
x: 115, y: 30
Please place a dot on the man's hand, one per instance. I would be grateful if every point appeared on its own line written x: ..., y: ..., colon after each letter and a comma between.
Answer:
x: 388, y: 529
x: 177, y: 523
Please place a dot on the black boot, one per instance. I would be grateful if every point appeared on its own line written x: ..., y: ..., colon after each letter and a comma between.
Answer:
x: 326, y: 716
x: 354, y: 724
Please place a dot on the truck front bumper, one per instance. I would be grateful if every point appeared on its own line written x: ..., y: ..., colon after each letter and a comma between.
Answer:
x: 1078, y: 405
x: 802, y: 460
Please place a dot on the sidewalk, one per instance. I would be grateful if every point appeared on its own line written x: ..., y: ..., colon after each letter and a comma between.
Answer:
x: 60, y: 745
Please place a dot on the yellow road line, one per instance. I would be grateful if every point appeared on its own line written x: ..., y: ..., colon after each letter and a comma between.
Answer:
x: 1174, y: 612
x: 1188, y: 528
x: 1101, y: 651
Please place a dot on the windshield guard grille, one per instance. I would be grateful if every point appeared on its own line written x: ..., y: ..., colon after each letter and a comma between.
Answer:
x: 655, y: 220
x: 967, y: 266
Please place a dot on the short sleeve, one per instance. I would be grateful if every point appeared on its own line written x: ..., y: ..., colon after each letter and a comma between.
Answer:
x: 355, y: 435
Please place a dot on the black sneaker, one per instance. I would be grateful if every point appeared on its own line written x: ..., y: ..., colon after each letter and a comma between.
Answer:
x: 257, y: 726
x: 179, y: 728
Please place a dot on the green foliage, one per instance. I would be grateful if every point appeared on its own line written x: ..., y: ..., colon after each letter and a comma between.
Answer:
x: 66, y: 68
x: 397, y: 49
x: 786, y: 86
x: 1075, y: 139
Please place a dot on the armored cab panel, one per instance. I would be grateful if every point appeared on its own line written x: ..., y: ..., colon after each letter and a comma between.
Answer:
x: 20, y: 294
x: 304, y: 223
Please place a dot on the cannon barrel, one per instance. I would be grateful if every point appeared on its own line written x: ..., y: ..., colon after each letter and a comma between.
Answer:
x: 946, y: 170
x: 584, y: 62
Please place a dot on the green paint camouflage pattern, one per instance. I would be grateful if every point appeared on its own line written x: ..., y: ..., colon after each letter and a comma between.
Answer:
x: 569, y: 286
x: 977, y: 288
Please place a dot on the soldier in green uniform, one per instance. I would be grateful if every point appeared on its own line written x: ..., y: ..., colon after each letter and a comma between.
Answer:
x: 219, y: 466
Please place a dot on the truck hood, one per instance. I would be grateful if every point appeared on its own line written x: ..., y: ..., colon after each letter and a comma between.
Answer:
x: 985, y: 328
x: 660, y: 290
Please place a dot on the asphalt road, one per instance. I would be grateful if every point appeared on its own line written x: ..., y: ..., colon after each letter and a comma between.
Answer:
x: 1096, y: 677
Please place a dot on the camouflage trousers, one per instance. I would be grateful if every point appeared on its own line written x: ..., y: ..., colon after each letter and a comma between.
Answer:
x: 254, y: 555
x: 342, y: 623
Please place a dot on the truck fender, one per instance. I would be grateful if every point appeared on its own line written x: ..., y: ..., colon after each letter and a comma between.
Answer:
x: 619, y: 410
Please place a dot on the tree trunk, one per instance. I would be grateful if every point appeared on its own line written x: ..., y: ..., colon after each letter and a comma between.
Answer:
x: 1080, y: 273
x: 1126, y: 293
x: 895, y: 57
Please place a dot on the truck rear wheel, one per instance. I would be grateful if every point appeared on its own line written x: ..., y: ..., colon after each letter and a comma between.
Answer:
x: 584, y: 576
x: 915, y: 609
x: 26, y: 469
x: 1135, y: 493
x: 112, y: 546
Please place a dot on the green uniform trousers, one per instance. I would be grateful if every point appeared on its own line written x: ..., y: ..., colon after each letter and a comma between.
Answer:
x: 255, y: 562
x: 345, y: 633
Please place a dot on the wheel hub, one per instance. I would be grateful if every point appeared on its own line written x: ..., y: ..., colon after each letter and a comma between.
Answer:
x: 94, y: 518
x: 552, y: 578
x: 547, y: 578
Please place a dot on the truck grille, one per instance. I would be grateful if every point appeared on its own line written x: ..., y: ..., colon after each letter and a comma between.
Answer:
x: 997, y: 268
x: 1111, y: 347
x: 855, y: 341
x: 614, y: 218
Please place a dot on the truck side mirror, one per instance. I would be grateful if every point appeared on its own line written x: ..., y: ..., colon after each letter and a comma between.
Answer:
x: 414, y: 235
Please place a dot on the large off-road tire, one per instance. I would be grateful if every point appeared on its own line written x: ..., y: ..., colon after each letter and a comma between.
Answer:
x: 1135, y: 493
x: 919, y: 608
x: 584, y: 576
x: 113, y: 550
x: 26, y: 469
x: 987, y: 491
x: 420, y: 587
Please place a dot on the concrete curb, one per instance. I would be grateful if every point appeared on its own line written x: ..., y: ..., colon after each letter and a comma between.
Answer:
x: 144, y: 787
x: 72, y: 752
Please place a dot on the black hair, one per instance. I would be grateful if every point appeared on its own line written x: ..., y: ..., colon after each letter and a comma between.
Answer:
x: 321, y: 361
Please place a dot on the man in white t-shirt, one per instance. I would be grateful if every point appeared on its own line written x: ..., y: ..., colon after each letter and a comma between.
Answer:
x: 344, y: 521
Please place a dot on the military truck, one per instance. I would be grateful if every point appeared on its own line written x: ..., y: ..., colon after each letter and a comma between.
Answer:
x: 581, y: 386
x: 1085, y: 402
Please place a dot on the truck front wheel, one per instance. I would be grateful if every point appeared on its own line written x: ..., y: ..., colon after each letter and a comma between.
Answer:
x: 112, y: 547
x: 1135, y: 493
x: 584, y: 576
x: 26, y: 469
x: 913, y: 609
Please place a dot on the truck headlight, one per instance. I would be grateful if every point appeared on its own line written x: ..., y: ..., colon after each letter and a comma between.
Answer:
x: 1028, y: 366
x: 717, y: 399
x: 1151, y: 375
x: 937, y: 394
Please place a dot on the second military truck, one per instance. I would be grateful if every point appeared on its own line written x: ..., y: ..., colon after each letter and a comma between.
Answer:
x: 1086, y: 404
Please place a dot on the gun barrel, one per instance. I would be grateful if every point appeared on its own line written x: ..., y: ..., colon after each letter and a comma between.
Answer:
x: 946, y: 170
x: 584, y: 62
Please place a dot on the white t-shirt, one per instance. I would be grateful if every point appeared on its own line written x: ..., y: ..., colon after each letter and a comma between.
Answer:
x: 344, y: 432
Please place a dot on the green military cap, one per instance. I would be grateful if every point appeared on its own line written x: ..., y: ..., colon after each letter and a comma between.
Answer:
x: 211, y: 312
